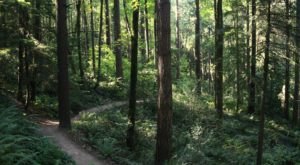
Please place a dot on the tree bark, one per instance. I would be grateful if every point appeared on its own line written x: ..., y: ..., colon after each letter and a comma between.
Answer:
x: 62, y: 59
x: 251, y: 101
x: 117, y: 44
x: 178, y: 43
x: 107, y: 22
x: 287, y: 62
x: 238, y: 62
x: 264, y: 104
x: 131, y: 136
x: 219, y: 59
x: 100, y: 43
x: 78, y: 33
x: 297, y: 56
x: 147, y: 29
x: 164, y: 119
x: 197, y: 48
x: 93, y: 38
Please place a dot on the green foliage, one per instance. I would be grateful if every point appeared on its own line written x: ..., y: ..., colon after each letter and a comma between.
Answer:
x: 19, y: 143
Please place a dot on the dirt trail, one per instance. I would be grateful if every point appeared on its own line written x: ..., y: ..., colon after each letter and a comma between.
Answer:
x: 79, y: 155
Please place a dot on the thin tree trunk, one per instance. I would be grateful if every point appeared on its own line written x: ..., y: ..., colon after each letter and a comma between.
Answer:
x: 197, y: 48
x: 100, y: 43
x: 117, y: 46
x: 248, y: 65
x: 251, y: 101
x: 78, y: 32
x: 264, y: 104
x: 297, y: 56
x: 238, y: 62
x: 147, y: 30
x: 62, y: 59
x: 165, y: 114
x: 178, y: 40
x: 219, y: 59
x: 131, y: 141
x: 142, y: 31
x: 287, y: 62
x: 93, y: 38
x: 107, y: 23
x: 85, y: 22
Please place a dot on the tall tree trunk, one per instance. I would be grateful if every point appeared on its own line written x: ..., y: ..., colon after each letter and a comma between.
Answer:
x: 297, y: 56
x: 238, y: 62
x: 251, y: 101
x: 86, y: 29
x: 147, y: 30
x: 178, y: 43
x: 62, y: 59
x: 93, y: 38
x: 100, y: 43
x: 131, y: 141
x: 20, y: 72
x: 117, y: 46
x: 264, y: 104
x: 219, y: 59
x: 248, y: 65
x: 107, y: 23
x: 78, y: 33
x: 142, y: 32
x: 197, y: 48
x: 287, y: 62
x: 126, y: 18
x: 165, y: 114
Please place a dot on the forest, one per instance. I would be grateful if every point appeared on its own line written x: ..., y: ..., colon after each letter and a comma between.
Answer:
x: 164, y: 82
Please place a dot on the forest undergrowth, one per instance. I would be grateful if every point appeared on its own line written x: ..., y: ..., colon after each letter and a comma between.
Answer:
x: 20, y: 143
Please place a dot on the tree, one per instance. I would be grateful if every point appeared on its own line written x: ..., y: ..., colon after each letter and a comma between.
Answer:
x: 133, y: 78
x: 297, y: 57
x: 117, y: 33
x: 78, y: 33
x: 164, y: 117
x: 100, y: 43
x: 264, y: 104
x: 178, y: 44
x: 197, y: 48
x: 251, y: 99
x: 107, y: 23
x: 93, y: 38
x: 219, y: 58
x: 62, y: 60
x: 287, y: 61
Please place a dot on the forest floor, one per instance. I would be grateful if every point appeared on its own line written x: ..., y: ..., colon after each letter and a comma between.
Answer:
x: 79, y: 154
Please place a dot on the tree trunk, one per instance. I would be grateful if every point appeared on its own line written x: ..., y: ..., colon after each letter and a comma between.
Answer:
x: 197, y: 48
x: 93, y: 38
x: 238, y: 62
x: 219, y: 59
x: 142, y: 32
x: 131, y: 141
x: 147, y: 30
x: 297, y: 56
x: 78, y: 32
x: 248, y: 64
x: 85, y: 22
x: 117, y: 43
x: 287, y: 62
x: 178, y: 43
x: 165, y: 114
x: 100, y: 43
x: 251, y: 101
x: 264, y: 104
x: 62, y: 59
x: 107, y: 22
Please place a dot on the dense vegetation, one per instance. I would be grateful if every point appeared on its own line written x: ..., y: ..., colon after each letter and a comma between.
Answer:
x: 219, y: 79
x: 20, y: 143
